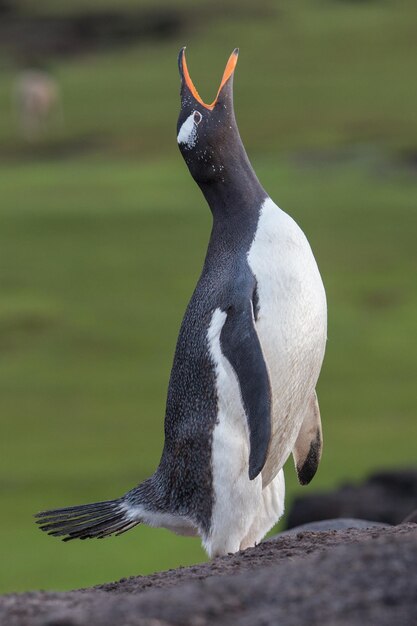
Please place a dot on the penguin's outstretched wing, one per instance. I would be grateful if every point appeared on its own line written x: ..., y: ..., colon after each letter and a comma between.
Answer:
x: 240, y: 345
x: 308, y: 447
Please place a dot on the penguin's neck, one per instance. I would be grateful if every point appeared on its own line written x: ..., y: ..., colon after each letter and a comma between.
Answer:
x: 236, y: 193
x: 235, y: 200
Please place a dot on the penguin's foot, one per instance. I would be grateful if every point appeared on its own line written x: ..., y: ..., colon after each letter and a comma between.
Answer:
x: 221, y: 546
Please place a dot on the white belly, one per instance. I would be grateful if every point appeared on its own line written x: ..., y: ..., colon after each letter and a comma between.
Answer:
x: 242, y: 511
x: 291, y: 325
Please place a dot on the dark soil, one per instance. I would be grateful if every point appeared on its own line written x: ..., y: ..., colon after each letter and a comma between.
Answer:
x: 338, y: 578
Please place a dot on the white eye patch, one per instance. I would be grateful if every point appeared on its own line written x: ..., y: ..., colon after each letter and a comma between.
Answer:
x: 188, y: 130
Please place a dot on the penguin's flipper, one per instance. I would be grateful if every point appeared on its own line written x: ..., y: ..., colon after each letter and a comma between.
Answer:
x: 240, y: 345
x: 309, y: 444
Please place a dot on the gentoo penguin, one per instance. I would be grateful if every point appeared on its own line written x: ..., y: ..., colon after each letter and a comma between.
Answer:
x: 241, y: 395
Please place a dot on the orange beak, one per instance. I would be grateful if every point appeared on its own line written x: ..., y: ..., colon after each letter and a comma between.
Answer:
x: 229, y: 69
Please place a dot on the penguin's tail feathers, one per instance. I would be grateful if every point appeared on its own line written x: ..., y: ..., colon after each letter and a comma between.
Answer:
x: 87, y: 521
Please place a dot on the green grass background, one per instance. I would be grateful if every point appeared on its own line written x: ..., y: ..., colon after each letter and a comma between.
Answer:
x: 103, y: 234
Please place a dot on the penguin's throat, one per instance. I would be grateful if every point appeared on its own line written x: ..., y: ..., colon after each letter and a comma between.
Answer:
x: 236, y: 191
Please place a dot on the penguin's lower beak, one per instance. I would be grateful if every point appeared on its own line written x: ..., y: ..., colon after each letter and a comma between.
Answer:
x: 189, y: 85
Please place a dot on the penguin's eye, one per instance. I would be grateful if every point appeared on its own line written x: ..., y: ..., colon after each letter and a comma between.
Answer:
x: 197, y: 117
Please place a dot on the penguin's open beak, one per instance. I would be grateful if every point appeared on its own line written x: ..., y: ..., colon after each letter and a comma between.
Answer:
x: 186, y: 78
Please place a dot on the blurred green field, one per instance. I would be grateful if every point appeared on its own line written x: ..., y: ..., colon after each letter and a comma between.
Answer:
x: 102, y: 238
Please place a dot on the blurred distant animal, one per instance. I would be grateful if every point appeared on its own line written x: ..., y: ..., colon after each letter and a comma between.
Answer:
x: 241, y: 395
x: 37, y: 102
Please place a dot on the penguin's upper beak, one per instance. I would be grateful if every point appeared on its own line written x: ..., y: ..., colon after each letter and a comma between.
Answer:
x: 189, y: 85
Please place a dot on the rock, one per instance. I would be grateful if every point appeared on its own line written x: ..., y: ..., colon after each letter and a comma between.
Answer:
x: 412, y: 518
x: 332, y: 578
x: 341, y: 523
x: 387, y: 497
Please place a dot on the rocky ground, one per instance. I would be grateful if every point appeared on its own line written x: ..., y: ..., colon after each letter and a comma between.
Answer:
x: 338, y: 578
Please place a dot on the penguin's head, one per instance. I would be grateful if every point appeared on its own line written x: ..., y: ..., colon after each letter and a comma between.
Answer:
x: 207, y: 134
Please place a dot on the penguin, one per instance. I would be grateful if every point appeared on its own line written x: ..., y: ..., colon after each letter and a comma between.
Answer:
x: 241, y: 397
